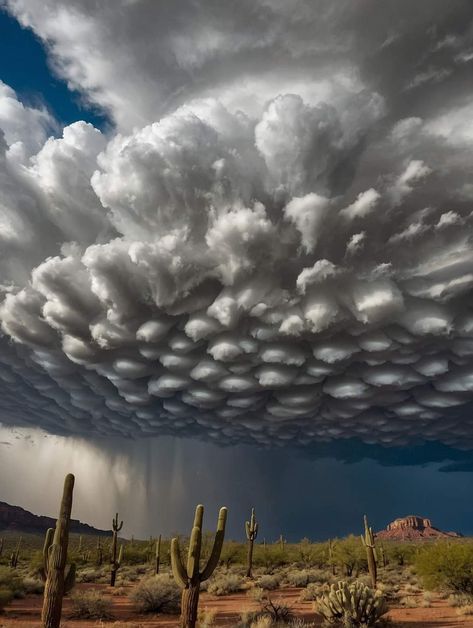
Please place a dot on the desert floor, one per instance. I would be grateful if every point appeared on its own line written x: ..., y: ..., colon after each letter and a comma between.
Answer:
x: 25, y: 613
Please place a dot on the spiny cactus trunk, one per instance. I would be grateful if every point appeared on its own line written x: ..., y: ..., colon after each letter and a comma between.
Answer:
x: 113, y: 570
x: 113, y: 577
x: 189, y: 606
x: 250, y: 559
x: 372, y: 567
x: 54, y: 587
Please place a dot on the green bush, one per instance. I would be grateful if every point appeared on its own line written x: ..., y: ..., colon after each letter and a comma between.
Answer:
x: 10, y: 580
x: 159, y: 594
x: 447, y: 565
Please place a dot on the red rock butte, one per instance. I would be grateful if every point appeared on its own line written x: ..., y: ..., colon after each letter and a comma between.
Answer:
x: 413, y: 528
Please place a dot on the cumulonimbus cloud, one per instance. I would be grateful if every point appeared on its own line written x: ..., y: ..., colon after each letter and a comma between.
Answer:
x: 301, y: 274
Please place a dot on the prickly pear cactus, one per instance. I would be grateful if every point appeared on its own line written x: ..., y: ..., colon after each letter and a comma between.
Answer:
x: 354, y: 604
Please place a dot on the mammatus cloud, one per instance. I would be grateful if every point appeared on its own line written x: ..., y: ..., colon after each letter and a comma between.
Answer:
x: 288, y: 273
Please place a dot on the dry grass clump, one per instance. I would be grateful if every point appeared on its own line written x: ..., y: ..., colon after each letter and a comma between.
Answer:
x: 95, y: 575
x: 225, y: 584
x: 312, y: 592
x: 304, y: 577
x: 465, y: 610
x: 460, y: 599
x: 159, y: 594
x: 268, y: 583
x: 408, y: 601
x: 90, y: 605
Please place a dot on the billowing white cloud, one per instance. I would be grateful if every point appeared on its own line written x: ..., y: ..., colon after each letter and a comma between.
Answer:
x: 294, y: 271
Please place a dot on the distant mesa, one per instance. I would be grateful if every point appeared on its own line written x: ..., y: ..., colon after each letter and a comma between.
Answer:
x: 413, y: 528
x: 18, y: 519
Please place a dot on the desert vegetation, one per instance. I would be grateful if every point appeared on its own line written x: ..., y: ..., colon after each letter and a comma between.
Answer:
x: 205, y: 580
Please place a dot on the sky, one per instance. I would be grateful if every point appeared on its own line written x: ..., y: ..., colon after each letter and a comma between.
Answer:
x: 236, y: 261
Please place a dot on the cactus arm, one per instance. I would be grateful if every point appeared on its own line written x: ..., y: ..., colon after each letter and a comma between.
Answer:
x: 199, y: 516
x: 48, y: 540
x: 178, y: 571
x: 217, y: 546
x: 193, y: 557
x: 248, y: 530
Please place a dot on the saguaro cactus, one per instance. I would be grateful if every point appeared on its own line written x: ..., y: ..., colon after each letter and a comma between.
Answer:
x: 190, y: 577
x: 2, y: 542
x: 115, y: 561
x: 368, y: 542
x: 15, y: 555
x: 251, y: 528
x: 69, y: 574
x: 384, y: 561
x: 99, y: 552
x: 158, y: 554
x: 57, y: 556
x: 282, y: 542
x: 331, y: 559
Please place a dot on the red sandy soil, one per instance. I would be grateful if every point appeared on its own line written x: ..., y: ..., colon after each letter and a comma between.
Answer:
x: 26, y: 613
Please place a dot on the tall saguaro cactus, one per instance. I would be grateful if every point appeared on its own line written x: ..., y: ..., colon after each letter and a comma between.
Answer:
x: 251, y: 528
x: 331, y: 560
x: 158, y: 555
x: 69, y: 573
x: 57, y: 556
x: 115, y: 561
x: 15, y: 555
x: 190, y: 577
x: 368, y: 542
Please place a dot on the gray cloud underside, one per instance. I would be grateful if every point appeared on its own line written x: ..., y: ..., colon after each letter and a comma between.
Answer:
x: 276, y: 266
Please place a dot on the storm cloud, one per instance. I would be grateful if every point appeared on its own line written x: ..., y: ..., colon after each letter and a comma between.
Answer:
x: 272, y: 246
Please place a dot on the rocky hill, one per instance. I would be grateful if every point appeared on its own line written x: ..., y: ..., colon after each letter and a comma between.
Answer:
x: 21, y: 520
x: 413, y: 528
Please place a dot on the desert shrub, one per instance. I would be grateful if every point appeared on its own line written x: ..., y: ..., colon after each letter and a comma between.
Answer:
x: 270, y: 557
x: 33, y: 585
x: 271, y: 608
x: 206, y: 618
x: 465, y: 610
x: 11, y: 581
x: 232, y: 553
x: 460, y: 600
x: 408, y: 602
x: 90, y: 605
x: 297, y: 578
x: 94, y: 575
x: 400, y: 554
x: 159, y: 594
x: 268, y: 583
x: 311, y: 592
x: 353, y: 604
x: 427, y: 599
x: 6, y: 596
x: 225, y: 584
x: 447, y: 566
x: 349, y: 555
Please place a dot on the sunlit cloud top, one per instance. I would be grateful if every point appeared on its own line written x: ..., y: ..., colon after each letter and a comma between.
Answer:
x: 273, y: 246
